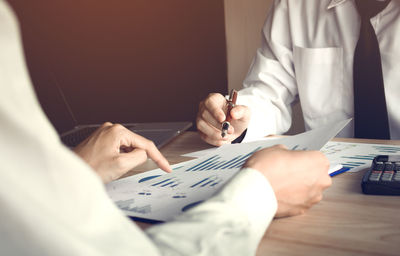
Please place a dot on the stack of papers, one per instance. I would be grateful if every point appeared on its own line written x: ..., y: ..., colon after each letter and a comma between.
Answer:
x: 156, y: 195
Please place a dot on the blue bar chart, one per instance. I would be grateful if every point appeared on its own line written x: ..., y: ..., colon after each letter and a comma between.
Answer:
x: 215, y: 162
x: 356, y: 160
x: 170, y: 182
x: 145, y: 193
x: 161, y: 196
x: 207, y: 182
x: 356, y: 156
x: 151, y: 177
x: 179, y: 195
x: 148, y: 178
x: 387, y: 149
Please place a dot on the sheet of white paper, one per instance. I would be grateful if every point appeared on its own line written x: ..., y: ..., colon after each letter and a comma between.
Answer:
x: 320, y: 133
x: 156, y: 197
x: 200, y: 153
x: 126, y: 183
x: 356, y: 156
x: 334, y: 167
x: 204, y: 152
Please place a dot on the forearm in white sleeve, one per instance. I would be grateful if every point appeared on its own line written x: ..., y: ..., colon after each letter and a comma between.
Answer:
x: 270, y: 86
x: 230, y: 223
x: 52, y: 203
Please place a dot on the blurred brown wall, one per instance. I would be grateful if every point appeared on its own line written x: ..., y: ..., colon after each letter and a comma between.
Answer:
x: 244, y: 20
x: 123, y: 60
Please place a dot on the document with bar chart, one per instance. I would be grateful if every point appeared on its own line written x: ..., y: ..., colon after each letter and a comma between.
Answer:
x: 356, y: 156
x: 160, y: 196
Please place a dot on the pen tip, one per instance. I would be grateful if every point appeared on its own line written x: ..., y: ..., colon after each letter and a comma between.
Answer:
x: 223, y: 134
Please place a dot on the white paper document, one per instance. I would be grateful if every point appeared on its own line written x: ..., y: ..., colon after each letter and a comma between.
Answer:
x: 204, y: 152
x: 356, y: 156
x: 156, y: 195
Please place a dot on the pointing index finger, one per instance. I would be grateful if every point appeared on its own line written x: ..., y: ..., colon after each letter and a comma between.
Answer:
x: 137, y: 141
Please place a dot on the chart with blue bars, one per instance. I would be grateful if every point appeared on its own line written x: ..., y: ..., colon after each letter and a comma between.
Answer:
x: 357, y: 160
x: 211, y: 181
x: 356, y: 156
x: 204, y: 173
x: 179, y: 195
x: 216, y: 163
x: 384, y: 149
x: 170, y: 182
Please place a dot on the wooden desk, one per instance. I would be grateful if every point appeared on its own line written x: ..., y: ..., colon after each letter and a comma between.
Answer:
x: 346, y: 222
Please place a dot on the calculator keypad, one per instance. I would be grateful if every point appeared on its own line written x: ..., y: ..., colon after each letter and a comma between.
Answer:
x: 396, y: 176
x: 385, y: 171
x: 383, y: 178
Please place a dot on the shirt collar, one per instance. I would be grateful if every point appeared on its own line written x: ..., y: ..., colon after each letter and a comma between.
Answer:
x: 335, y: 3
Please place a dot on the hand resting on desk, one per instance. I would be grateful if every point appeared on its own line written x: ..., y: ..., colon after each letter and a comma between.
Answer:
x: 112, y: 150
x: 298, y: 178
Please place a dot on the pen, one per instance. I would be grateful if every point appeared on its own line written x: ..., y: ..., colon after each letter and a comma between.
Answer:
x: 342, y: 170
x: 231, y: 104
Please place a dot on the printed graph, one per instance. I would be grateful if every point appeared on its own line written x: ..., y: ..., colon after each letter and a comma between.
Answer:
x: 170, y: 182
x: 387, y: 149
x: 128, y: 205
x: 216, y: 163
x: 179, y: 195
x: 211, y: 181
x: 332, y: 148
x: 356, y: 156
x: 161, y: 196
x: 148, y: 178
x: 145, y: 193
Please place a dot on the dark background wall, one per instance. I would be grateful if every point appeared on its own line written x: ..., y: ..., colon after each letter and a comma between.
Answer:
x: 123, y: 60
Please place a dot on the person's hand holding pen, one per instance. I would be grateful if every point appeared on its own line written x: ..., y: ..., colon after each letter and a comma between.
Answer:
x: 231, y: 104
x: 213, y: 112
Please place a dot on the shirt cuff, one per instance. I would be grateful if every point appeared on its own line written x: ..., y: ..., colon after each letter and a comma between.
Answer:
x: 262, y: 121
x: 232, y: 222
x: 252, y: 195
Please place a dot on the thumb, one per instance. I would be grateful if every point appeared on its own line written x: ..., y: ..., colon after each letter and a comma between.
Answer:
x: 240, y: 112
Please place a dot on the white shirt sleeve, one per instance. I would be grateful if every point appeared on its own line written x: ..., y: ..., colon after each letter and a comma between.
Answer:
x: 230, y: 223
x: 52, y: 203
x: 270, y: 86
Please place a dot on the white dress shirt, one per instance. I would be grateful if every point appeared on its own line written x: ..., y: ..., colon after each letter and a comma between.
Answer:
x: 307, y: 54
x: 52, y: 203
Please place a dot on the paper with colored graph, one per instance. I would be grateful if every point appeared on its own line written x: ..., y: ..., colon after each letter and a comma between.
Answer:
x: 159, y: 196
x: 356, y: 156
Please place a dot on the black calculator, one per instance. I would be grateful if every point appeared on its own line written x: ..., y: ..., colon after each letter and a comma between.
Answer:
x: 383, y: 178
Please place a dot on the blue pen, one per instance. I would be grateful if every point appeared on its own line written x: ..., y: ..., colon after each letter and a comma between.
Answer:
x: 342, y: 170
